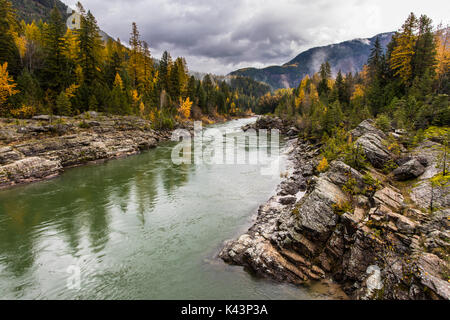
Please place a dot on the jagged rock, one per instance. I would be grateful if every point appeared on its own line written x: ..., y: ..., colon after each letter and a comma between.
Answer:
x: 374, y: 149
x: 410, y: 170
x: 371, y: 141
x: 422, y: 193
x: 366, y: 127
x: 390, y: 198
x: 8, y: 155
x: 316, y: 215
x: 374, y: 249
x: 339, y: 173
x: 288, y: 200
x: 431, y: 270
x: 31, y: 169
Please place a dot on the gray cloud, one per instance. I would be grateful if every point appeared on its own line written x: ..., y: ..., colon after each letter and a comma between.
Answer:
x: 221, y: 36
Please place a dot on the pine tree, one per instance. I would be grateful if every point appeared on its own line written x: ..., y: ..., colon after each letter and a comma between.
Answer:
x: 8, y: 49
x: 90, y: 47
x: 425, y: 49
x: 63, y: 104
x: 135, y: 55
x: 375, y: 59
x: 55, y: 75
x: 92, y: 92
x: 325, y: 75
x: 147, y: 67
x: 165, y: 65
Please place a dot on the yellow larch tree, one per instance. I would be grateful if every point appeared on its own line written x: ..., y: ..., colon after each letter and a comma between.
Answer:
x: 185, y: 108
x: 442, y: 53
x: 403, y: 52
x: 7, y: 87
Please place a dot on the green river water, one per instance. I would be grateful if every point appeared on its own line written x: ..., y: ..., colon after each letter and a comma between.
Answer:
x: 136, y: 228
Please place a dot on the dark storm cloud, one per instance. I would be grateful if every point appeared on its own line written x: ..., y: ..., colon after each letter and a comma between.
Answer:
x: 220, y: 36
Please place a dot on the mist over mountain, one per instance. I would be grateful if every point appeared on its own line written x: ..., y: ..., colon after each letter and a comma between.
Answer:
x: 348, y: 56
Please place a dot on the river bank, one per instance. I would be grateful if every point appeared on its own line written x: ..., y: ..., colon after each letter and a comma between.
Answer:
x: 372, y: 232
x: 42, y: 147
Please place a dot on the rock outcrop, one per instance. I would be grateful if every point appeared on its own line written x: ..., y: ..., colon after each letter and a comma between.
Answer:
x: 32, y: 150
x: 367, y: 236
x: 286, y: 127
x: 371, y: 141
x: 409, y: 170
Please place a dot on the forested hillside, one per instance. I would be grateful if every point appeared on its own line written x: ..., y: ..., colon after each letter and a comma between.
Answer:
x: 47, y: 68
x: 29, y: 10
x: 348, y: 56
x: 406, y: 88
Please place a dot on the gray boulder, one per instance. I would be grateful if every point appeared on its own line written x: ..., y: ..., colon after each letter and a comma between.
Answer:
x: 409, y: 170
x: 374, y: 149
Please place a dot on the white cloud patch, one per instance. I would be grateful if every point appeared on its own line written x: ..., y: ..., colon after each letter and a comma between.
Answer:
x: 221, y: 36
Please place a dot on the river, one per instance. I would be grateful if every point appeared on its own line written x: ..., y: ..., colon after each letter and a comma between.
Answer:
x: 135, y: 228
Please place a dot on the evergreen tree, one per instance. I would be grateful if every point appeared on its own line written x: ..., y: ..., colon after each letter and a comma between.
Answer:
x: 55, y: 76
x: 325, y: 75
x: 425, y: 49
x: 135, y: 55
x: 8, y: 49
x: 165, y: 65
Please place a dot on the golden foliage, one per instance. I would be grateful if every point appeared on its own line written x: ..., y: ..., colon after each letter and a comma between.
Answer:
x: 185, y: 108
x: 142, y: 109
x: 323, y: 165
x: 118, y: 81
x: 24, y: 111
x: 21, y: 44
x: 70, y: 91
x: 358, y: 92
x: 442, y: 52
x: 7, y: 85
x: 403, y: 52
x: 71, y: 48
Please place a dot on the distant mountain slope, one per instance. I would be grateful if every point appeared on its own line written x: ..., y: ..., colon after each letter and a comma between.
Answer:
x: 348, y: 56
x: 30, y: 10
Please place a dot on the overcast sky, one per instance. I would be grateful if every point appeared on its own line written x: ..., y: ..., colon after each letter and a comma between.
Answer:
x: 219, y: 36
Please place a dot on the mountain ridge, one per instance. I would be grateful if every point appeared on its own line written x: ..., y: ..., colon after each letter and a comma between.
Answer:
x: 347, y: 56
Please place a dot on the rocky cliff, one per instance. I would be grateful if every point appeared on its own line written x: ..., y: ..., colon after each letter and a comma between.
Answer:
x: 365, y: 230
x: 41, y: 148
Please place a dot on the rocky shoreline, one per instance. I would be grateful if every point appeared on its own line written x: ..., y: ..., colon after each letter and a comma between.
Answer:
x: 41, y: 148
x: 378, y: 242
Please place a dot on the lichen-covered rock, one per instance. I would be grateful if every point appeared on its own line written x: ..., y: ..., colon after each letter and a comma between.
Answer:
x: 316, y: 215
x: 374, y: 149
x: 371, y: 141
x: 365, y: 127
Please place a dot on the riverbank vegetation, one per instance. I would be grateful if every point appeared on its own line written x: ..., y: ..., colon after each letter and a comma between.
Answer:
x: 51, y: 69
x: 405, y: 87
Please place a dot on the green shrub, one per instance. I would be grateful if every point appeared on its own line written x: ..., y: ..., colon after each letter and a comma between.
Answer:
x: 342, y: 207
x: 383, y: 123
